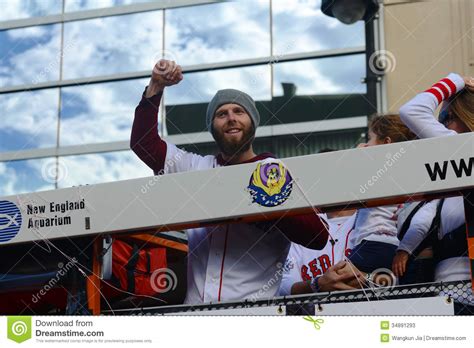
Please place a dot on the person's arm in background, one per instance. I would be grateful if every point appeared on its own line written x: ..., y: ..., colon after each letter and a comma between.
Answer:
x: 301, y: 287
x: 417, y: 232
x: 418, y: 113
x: 308, y: 230
x: 145, y: 141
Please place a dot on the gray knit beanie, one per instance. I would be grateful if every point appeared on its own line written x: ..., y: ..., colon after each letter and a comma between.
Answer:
x: 232, y: 96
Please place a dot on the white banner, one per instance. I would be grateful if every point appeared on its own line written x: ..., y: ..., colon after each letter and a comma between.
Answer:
x: 215, y: 331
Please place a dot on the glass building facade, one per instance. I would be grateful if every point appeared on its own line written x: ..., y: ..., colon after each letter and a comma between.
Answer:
x: 73, y: 71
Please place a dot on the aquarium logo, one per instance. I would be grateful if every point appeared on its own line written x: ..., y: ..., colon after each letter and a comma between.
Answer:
x: 10, y: 221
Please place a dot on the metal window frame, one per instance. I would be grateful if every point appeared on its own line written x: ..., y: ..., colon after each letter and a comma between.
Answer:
x: 269, y: 60
x: 100, y: 12
x: 188, y: 138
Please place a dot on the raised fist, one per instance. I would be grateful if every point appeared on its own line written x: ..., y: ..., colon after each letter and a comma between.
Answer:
x: 166, y: 73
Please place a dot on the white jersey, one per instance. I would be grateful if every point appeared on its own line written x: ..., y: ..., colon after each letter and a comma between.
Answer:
x: 303, y: 264
x: 228, y: 262
x: 452, y: 217
x: 377, y: 224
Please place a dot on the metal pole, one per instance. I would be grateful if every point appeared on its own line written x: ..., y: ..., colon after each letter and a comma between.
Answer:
x: 372, y: 77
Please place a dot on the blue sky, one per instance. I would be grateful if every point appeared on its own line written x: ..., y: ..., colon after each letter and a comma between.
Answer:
x: 18, y: 9
x: 23, y: 176
x: 28, y: 119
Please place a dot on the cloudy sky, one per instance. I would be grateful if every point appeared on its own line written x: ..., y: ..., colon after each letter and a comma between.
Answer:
x: 104, y: 112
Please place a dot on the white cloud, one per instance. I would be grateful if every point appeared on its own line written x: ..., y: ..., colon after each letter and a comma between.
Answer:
x: 298, y: 8
x: 16, y: 9
x: 76, y: 5
x: 32, y: 116
x: 112, y: 45
x: 8, y: 179
x: 106, y: 113
x: 300, y: 26
x: 30, y: 32
x: 324, y: 76
x: 214, y: 33
x: 97, y: 168
x: 38, y: 63
x: 22, y: 177
x: 201, y: 87
x: 27, y: 176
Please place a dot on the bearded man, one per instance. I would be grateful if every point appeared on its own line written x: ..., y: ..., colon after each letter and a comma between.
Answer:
x: 230, y: 262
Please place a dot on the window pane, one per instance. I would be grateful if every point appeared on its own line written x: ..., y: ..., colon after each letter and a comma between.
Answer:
x: 17, y: 9
x: 99, y: 168
x: 186, y: 103
x: 218, y: 32
x: 322, y: 76
x: 79, y: 5
x: 27, y: 176
x: 99, y: 113
x: 29, y: 55
x: 300, y: 26
x: 319, y: 89
x: 112, y: 45
x: 28, y: 119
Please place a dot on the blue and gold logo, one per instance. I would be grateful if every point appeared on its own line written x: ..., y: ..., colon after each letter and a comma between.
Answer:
x: 270, y: 184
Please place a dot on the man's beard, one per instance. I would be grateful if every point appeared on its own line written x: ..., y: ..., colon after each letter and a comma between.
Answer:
x: 234, y: 148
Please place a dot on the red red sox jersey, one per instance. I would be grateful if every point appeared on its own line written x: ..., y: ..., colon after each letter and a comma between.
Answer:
x: 303, y: 264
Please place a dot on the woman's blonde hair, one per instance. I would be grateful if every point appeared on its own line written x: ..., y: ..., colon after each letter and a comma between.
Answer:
x: 390, y: 126
x: 462, y: 106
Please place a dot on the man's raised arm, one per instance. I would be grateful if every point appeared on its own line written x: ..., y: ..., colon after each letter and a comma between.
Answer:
x: 145, y: 140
